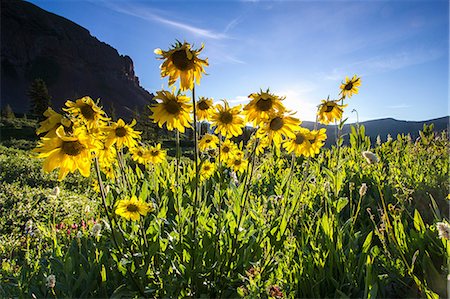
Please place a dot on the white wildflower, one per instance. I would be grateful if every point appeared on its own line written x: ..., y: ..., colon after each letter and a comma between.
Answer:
x: 96, y: 230
x: 51, y: 281
x: 56, y: 191
x: 370, y: 157
x: 29, y: 227
x: 87, y: 209
x: 389, y: 138
x: 363, y: 190
x: 378, y: 140
x: 79, y: 234
x: 234, y: 178
x: 443, y: 230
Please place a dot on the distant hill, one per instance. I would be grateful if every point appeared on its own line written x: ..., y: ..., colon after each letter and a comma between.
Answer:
x: 385, y: 126
x: 39, y: 44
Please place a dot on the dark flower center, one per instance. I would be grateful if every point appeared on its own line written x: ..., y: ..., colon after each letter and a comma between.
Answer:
x: 132, y: 208
x: 276, y: 123
x: 349, y: 86
x: 181, y: 61
x: 140, y: 153
x: 208, y: 140
x: 264, y: 104
x: 299, y: 138
x: 203, y: 105
x: 329, y: 108
x: 72, y: 148
x: 225, y: 149
x: 172, y: 106
x: 121, y: 132
x: 237, y: 162
x: 154, y: 153
x: 226, y: 117
x: 206, y: 167
x: 87, y: 112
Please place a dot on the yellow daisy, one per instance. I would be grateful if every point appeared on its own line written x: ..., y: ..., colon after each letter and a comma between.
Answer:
x: 300, y: 144
x: 133, y: 208
x: 350, y: 87
x: 53, y: 121
x: 174, y: 111
x: 227, y: 120
x: 207, y: 170
x: 209, y: 141
x: 69, y: 153
x: 139, y: 154
x: 122, y: 134
x: 156, y: 155
x: 317, y: 140
x: 329, y: 111
x: 262, y: 105
x: 227, y: 150
x: 278, y: 126
x: 204, y: 108
x: 238, y: 164
x: 182, y: 62
x: 86, y: 111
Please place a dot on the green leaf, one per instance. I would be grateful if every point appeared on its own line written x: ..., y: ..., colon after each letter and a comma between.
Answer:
x: 103, y: 273
x: 367, y: 243
x: 342, y: 203
x: 418, y: 222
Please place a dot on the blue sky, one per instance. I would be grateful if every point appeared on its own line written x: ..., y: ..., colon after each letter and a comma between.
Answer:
x: 298, y: 49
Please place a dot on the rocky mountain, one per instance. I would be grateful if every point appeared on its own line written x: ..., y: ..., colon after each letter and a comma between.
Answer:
x: 385, y: 126
x: 38, y: 44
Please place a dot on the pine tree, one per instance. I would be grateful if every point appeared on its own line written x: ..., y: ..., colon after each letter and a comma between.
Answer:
x: 40, y: 99
x: 7, y: 112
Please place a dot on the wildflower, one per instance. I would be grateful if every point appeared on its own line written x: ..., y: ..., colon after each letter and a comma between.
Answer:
x: 275, y: 291
x: 55, y: 191
x: 122, y: 134
x: 68, y: 153
x: 79, y: 234
x: 139, y: 154
x: 96, y: 230
x: 443, y: 230
x: 174, y: 111
x: 227, y: 120
x: 330, y: 111
x: 350, y: 86
x: 53, y: 121
x: 156, y: 155
x: 300, y: 144
x: 227, y: 150
x: 238, y: 164
x: 207, y: 170
x: 378, y: 140
x: 234, y: 178
x: 51, y: 281
x: 363, y: 189
x: 389, y: 138
x: 29, y: 227
x: 204, y: 108
x: 87, y: 112
x: 132, y: 208
x: 317, y: 140
x: 277, y: 127
x: 182, y: 62
x: 370, y: 157
x: 209, y: 141
x: 262, y: 105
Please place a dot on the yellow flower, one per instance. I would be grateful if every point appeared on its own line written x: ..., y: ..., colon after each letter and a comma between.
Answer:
x: 182, y: 62
x: 139, y: 154
x: 122, y: 134
x: 277, y: 127
x: 350, y: 87
x: 262, y: 105
x: 330, y: 111
x: 227, y: 120
x: 53, y: 121
x: 317, y: 140
x: 238, y: 164
x: 209, y: 141
x: 207, y: 170
x: 133, y: 208
x: 204, y: 108
x: 69, y: 153
x: 300, y: 143
x: 227, y: 150
x: 156, y: 155
x: 174, y: 111
x: 86, y: 111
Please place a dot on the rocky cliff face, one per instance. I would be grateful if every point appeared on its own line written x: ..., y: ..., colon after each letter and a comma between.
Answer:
x: 39, y: 44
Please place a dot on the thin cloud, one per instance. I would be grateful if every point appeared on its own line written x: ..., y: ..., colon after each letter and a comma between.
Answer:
x: 150, y: 15
x: 399, y: 106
